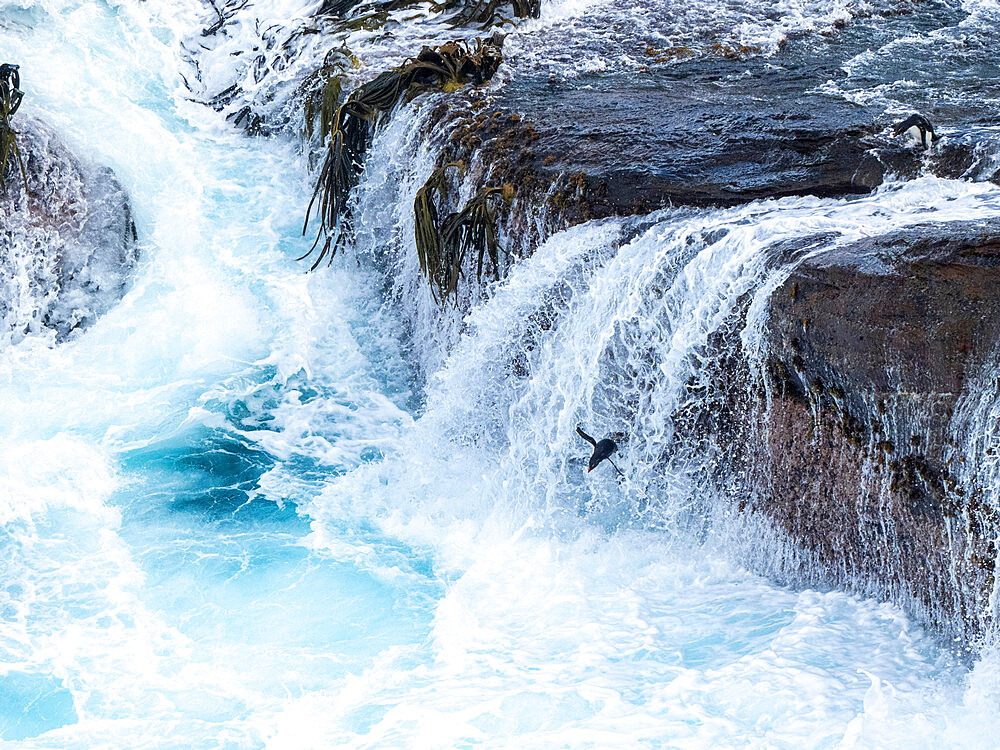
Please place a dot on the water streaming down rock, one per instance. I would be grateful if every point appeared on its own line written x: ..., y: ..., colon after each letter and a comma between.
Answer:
x: 640, y: 329
x: 890, y: 482
x: 946, y: 581
x: 974, y: 430
x: 671, y: 345
x: 272, y: 554
x: 886, y: 385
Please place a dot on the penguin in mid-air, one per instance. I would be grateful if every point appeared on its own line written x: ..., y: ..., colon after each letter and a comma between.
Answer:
x: 919, y: 129
x: 602, y: 450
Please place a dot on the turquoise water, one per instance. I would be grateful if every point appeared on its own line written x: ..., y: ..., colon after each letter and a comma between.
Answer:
x: 223, y: 526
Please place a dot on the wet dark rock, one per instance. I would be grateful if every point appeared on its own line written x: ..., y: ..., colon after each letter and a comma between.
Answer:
x: 873, y: 350
x: 592, y: 153
x: 691, y: 142
x: 706, y: 130
x: 830, y: 152
x: 67, y: 239
x: 587, y: 154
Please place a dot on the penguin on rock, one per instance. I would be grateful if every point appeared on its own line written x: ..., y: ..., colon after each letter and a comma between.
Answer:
x: 918, y: 128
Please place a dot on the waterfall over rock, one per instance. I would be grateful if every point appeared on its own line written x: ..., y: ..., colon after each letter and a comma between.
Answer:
x: 309, y: 473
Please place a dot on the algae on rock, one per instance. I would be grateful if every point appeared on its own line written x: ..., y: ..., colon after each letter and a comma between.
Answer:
x: 10, y: 100
x: 348, y: 131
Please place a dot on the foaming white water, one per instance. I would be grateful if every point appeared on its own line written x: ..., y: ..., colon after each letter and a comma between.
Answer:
x: 554, y: 632
x: 976, y: 425
x: 148, y: 559
x: 616, y: 36
x: 215, y: 293
x: 453, y: 586
x: 614, y: 344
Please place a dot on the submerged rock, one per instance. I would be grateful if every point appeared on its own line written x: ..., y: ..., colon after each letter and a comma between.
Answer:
x: 882, y: 357
x: 67, y: 239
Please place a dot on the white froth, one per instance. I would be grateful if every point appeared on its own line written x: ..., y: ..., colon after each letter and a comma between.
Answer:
x: 458, y: 583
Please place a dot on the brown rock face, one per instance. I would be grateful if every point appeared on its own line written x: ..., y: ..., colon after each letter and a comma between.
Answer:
x: 873, y: 351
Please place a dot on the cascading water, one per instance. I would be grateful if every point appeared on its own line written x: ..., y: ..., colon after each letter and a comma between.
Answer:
x: 253, y: 507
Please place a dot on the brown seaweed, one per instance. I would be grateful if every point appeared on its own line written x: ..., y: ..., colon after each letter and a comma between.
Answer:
x: 10, y: 99
x: 348, y: 132
x: 487, y: 13
x: 443, y: 246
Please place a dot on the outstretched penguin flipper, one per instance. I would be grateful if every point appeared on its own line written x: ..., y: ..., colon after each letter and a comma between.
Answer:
x: 585, y: 436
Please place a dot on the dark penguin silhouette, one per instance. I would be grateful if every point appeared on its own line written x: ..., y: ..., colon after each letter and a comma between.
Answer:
x: 918, y: 128
x: 602, y: 450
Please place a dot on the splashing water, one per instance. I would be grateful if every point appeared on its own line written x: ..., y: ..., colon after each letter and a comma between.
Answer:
x: 222, y: 525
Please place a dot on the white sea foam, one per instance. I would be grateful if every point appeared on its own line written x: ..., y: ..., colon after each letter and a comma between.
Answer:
x: 557, y: 634
x: 624, y: 37
x: 451, y: 580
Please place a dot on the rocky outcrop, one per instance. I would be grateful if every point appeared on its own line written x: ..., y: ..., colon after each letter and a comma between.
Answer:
x: 554, y: 152
x: 67, y: 239
x: 853, y: 454
x: 701, y: 132
x: 856, y: 459
x: 875, y: 353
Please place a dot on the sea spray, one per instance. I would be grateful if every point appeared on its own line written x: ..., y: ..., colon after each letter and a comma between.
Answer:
x: 238, y: 538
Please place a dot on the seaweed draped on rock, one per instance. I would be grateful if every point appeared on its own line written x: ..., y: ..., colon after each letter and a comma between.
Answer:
x: 348, y: 129
x: 67, y: 239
